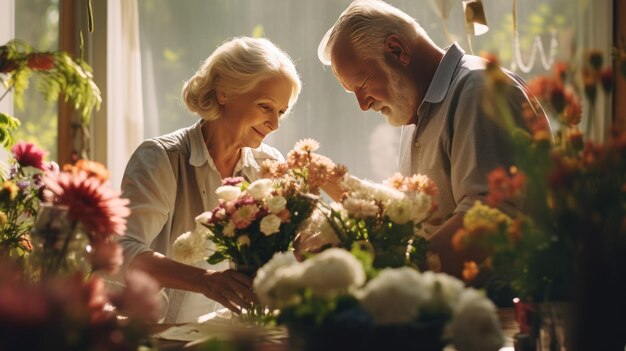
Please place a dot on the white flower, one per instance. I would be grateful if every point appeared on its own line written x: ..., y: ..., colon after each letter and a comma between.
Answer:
x: 384, y: 193
x: 360, y: 208
x: 244, y: 240
x: 278, y: 282
x: 422, y: 204
x: 270, y: 224
x: 189, y: 248
x: 228, y: 192
x: 229, y: 229
x: 444, y: 290
x: 204, y: 217
x: 399, y: 211
x: 475, y: 325
x: 395, y: 296
x: 260, y: 189
x: 276, y: 204
x: 333, y: 271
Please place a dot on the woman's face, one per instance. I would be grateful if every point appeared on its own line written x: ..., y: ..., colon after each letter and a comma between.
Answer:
x: 250, y: 116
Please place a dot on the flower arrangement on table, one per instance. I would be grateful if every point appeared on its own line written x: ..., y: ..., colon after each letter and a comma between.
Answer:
x: 387, y: 217
x: 255, y: 220
x: 51, y: 298
x: 20, y: 197
x: 578, y: 216
x: 329, y: 302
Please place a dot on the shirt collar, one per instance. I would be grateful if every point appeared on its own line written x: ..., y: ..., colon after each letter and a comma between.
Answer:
x: 444, y: 74
x: 199, y: 153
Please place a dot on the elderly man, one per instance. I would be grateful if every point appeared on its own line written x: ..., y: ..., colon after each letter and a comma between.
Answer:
x: 385, y: 58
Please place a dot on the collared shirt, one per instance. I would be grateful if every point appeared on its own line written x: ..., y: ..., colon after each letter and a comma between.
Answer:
x: 456, y: 141
x: 170, y: 180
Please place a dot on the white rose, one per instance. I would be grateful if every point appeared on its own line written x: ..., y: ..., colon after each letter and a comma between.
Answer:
x: 204, y: 217
x: 276, y: 204
x: 475, y: 325
x: 243, y: 240
x: 260, y: 189
x: 399, y: 211
x: 395, y: 296
x: 333, y: 271
x: 270, y: 224
x: 228, y: 192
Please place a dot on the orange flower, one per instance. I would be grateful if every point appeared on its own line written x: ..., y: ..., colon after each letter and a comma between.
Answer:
x: 503, y: 187
x: 92, y: 168
x: 470, y: 271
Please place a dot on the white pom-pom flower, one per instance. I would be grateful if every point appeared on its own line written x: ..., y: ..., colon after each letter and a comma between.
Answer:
x: 228, y: 192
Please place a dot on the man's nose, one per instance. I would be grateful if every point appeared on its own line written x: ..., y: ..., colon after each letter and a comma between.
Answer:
x: 364, y: 101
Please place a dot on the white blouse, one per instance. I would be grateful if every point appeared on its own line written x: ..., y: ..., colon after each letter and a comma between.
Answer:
x: 169, y: 180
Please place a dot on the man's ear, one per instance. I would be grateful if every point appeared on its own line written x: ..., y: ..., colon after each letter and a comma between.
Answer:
x: 395, y: 45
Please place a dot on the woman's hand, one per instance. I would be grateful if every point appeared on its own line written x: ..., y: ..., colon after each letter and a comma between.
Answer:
x: 230, y: 288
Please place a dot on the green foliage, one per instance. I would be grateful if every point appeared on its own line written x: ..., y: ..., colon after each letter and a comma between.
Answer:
x: 7, y: 125
x: 59, y: 75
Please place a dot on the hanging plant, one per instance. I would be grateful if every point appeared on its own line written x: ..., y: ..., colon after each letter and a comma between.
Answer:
x: 60, y: 73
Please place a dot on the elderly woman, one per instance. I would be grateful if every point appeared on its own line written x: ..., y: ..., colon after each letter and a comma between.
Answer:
x: 240, y: 93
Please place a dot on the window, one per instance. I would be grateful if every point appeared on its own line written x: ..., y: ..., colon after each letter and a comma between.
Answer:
x: 176, y: 36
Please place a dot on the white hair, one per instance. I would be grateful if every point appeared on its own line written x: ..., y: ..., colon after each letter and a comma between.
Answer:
x: 236, y: 67
x: 368, y: 23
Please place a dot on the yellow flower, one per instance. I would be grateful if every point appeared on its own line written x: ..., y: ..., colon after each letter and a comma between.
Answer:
x: 9, y: 190
x: 484, y: 217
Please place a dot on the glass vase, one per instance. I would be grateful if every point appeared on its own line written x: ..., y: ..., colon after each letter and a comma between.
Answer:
x: 60, y: 246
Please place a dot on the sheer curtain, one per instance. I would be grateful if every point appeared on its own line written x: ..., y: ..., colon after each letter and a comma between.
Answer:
x: 124, y: 94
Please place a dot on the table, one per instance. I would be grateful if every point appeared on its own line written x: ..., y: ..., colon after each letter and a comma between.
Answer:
x: 189, y: 337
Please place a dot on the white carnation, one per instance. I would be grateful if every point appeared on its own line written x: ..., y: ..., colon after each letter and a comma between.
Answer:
x: 475, y: 325
x: 276, y: 204
x: 400, y: 211
x: 278, y: 282
x: 228, y: 192
x: 395, y: 296
x: 333, y: 271
x: 270, y: 224
x: 260, y: 189
x: 189, y: 248
x: 360, y: 208
x: 384, y: 193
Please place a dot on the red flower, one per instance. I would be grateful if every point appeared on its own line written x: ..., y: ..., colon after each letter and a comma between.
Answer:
x: 29, y: 155
x: 503, y: 187
x: 94, y: 204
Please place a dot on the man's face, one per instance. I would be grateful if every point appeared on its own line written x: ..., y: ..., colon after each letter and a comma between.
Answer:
x: 375, y: 85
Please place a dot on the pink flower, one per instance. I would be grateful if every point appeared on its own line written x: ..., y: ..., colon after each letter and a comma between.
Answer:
x: 244, y: 216
x: 94, y: 204
x: 232, y: 180
x: 29, y: 155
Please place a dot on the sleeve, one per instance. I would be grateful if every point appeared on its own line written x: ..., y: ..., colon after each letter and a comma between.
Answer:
x: 150, y: 185
x: 479, y: 144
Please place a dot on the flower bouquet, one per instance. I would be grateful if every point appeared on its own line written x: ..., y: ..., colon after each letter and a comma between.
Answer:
x: 574, y: 234
x: 20, y: 198
x: 388, y: 217
x: 255, y: 220
x: 328, y: 302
